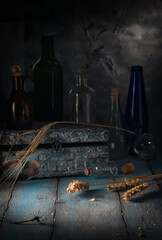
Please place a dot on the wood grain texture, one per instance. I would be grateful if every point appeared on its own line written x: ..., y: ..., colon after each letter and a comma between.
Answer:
x: 4, y: 198
x: 77, y: 218
x: 31, y: 199
x: 142, y: 212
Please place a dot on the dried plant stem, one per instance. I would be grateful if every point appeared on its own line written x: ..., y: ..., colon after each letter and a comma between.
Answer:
x: 18, y: 137
x: 137, y: 189
x: 140, y: 177
x: 126, y: 183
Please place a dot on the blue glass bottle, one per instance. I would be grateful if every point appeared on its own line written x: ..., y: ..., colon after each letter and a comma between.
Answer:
x: 136, y: 114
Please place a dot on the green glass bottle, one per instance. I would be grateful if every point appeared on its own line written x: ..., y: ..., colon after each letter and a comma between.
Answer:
x: 48, y: 84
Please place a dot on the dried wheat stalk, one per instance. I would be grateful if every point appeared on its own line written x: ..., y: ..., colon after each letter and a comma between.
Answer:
x: 77, y: 186
x: 133, y: 191
x: 126, y: 184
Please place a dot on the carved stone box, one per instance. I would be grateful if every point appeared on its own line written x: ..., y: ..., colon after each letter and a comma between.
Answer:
x: 62, y: 152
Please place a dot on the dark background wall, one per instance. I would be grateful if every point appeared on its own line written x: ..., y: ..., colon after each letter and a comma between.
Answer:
x: 133, y: 36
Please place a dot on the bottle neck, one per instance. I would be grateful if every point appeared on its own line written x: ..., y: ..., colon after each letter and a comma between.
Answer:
x: 47, y: 49
x: 17, y: 83
x: 137, y: 73
x: 114, y: 111
x: 114, y: 103
x: 81, y: 81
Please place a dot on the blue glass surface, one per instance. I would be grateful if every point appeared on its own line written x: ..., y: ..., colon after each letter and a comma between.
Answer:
x: 136, y: 114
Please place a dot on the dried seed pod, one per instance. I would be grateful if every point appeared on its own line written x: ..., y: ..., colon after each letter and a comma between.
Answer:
x: 127, y: 168
x: 133, y: 191
x: 76, y: 186
x: 34, y: 164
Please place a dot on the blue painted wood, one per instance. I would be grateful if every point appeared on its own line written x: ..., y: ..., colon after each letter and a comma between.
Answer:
x: 77, y: 218
x: 143, y: 210
x: 108, y: 217
x: 4, y: 198
x: 31, y: 199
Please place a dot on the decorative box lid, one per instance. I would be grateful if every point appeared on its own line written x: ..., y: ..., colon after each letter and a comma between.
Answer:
x: 66, y: 134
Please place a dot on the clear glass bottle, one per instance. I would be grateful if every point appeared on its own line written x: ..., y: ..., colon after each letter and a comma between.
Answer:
x: 47, y: 75
x: 111, y: 168
x: 19, y: 106
x: 136, y: 114
x: 82, y: 102
x: 119, y: 140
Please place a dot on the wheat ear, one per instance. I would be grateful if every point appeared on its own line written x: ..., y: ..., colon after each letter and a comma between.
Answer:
x: 133, y: 191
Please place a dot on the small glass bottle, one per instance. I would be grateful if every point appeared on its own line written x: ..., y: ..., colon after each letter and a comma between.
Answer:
x: 82, y: 102
x: 47, y: 76
x: 111, y: 168
x: 19, y: 106
x: 136, y: 114
x: 119, y: 140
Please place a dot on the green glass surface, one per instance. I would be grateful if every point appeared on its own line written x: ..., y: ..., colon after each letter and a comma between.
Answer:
x: 48, y: 84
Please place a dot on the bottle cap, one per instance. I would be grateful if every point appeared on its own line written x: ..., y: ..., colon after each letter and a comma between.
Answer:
x: 16, y: 70
x: 114, y: 92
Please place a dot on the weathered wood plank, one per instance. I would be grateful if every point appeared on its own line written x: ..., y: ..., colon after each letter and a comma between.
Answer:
x: 143, y: 210
x: 156, y: 165
x: 5, y: 196
x: 30, y: 199
x: 77, y: 218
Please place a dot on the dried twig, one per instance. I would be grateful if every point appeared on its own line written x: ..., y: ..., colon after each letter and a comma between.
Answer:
x: 37, y: 219
x: 93, y: 50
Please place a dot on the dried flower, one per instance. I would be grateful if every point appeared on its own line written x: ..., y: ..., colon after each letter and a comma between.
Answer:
x: 77, y: 186
x: 126, y: 184
x: 94, y: 47
x: 133, y: 191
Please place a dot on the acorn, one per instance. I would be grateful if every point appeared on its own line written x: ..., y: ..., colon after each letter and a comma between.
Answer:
x: 127, y: 168
x: 34, y: 164
x: 28, y: 172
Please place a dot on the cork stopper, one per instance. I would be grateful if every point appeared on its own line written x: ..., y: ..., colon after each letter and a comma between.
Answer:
x: 114, y: 92
x: 87, y: 171
x: 16, y: 70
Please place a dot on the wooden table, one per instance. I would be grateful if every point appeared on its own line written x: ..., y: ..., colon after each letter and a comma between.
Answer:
x: 73, y: 216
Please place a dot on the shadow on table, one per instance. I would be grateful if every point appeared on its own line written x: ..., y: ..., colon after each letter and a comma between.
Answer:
x: 147, y: 196
x: 99, y: 194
